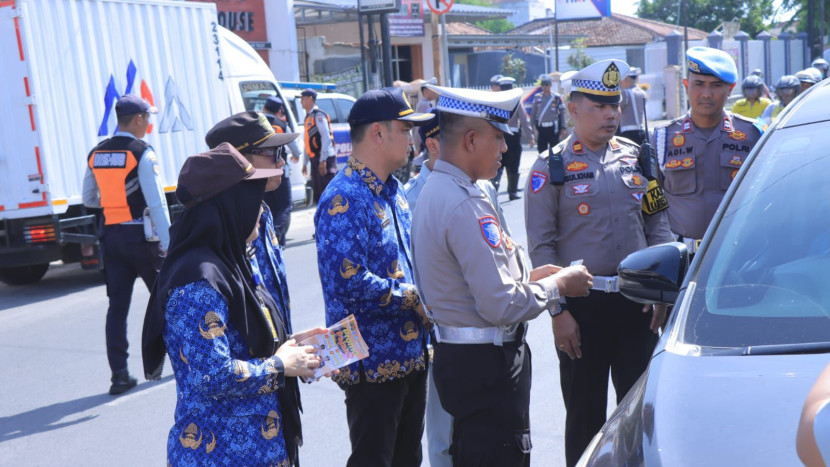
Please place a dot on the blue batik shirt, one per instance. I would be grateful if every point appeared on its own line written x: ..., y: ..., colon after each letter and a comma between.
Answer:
x: 363, y: 237
x: 227, y: 406
x: 272, y: 265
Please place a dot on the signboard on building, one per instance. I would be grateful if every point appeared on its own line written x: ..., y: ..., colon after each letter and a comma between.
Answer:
x: 246, y: 18
x: 582, y: 9
x: 378, y: 6
x: 409, y: 21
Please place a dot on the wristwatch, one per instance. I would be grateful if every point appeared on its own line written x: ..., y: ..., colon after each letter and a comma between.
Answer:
x: 557, y: 309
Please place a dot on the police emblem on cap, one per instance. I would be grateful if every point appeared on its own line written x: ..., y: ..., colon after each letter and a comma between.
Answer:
x: 611, y: 77
x: 490, y: 231
x: 693, y: 66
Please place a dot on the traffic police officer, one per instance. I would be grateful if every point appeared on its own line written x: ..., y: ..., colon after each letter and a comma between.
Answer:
x: 476, y: 287
x: 319, y: 143
x: 584, y: 202
x: 547, y: 116
x: 494, y: 83
x: 699, y: 153
x: 122, y: 177
x: 633, y: 109
x: 518, y: 125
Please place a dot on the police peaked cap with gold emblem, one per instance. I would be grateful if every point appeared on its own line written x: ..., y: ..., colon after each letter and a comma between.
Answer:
x: 713, y: 62
x: 600, y: 81
x: 383, y: 105
x: 495, y: 107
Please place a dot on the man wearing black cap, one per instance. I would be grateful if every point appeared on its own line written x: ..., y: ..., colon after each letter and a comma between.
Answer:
x: 280, y: 200
x: 584, y: 202
x: 122, y: 178
x: 253, y: 136
x: 363, y: 255
x: 319, y: 144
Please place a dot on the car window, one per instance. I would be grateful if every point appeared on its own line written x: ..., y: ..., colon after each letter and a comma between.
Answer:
x: 764, y: 277
x: 345, y: 106
x: 255, y: 93
x: 327, y: 106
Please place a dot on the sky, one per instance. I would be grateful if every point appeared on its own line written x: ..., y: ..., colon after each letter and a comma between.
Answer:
x: 629, y: 7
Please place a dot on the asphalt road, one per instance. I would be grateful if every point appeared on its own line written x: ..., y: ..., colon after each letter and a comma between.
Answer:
x: 55, y: 410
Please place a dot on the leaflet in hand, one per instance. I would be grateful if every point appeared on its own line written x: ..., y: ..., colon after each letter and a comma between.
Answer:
x: 341, y: 345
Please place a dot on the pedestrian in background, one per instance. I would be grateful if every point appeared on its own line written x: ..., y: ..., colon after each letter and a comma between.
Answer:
x: 319, y: 144
x: 123, y: 178
x: 233, y: 358
x: 584, y: 203
x: 363, y: 254
x: 476, y: 286
x: 699, y: 153
x: 633, y: 108
x: 547, y: 116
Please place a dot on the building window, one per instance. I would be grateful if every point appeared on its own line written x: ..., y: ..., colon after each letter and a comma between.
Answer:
x: 402, y: 63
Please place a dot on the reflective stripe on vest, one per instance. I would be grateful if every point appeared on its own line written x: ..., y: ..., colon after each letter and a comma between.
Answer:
x: 111, y: 168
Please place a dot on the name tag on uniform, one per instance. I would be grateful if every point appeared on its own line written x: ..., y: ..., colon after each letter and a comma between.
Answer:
x: 106, y: 160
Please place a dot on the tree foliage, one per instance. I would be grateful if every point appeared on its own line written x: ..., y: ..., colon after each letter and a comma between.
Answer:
x: 495, y: 26
x: 578, y: 59
x: 513, y: 67
x: 707, y: 15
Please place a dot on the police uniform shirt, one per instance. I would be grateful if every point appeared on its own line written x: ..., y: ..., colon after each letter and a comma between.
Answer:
x: 554, y: 117
x: 363, y: 227
x: 632, y: 109
x: 518, y: 121
x: 696, y: 169
x: 469, y: 271
x: 596, y: 215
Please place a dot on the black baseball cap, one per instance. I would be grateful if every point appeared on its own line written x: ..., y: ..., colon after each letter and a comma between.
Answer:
x: 247, y: 130
x: 205, y: 175
x: 131, y: 105
x: 386, y: 104
x: 273, y: 104
x: 430, y: 129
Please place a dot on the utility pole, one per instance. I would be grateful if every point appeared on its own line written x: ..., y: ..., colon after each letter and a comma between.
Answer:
x: 386, y: 50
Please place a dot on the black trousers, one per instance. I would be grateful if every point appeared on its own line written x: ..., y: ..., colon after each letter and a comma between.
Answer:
x: 510, y: 160
x: 486, y: 389
x: 615, y: 336
x: 638, y: 136
x: 548, y: 138
x: 320, y: 182
x: 386, y: 421
x: 279, y: 201
x: 127, y: 256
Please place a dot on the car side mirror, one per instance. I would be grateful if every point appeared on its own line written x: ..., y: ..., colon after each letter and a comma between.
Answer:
x: 654, y: 275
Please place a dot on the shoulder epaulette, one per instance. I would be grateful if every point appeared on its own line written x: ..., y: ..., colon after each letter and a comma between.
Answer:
x: 625, y: 141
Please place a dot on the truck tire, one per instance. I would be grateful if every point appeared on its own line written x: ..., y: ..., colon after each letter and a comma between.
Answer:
x: 22, y: 275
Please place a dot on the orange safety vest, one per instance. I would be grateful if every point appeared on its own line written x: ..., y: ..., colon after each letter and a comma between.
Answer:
x: 115, y: 166
x: 313, y: 139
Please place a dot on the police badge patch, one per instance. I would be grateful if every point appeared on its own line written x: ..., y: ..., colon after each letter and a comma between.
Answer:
x: 490, y: 230
x: 537, y: 181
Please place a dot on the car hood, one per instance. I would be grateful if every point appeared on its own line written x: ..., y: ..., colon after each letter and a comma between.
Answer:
x: 711, y: 410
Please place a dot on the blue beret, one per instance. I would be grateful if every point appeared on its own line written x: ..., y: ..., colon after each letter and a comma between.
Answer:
x: 709, y: 61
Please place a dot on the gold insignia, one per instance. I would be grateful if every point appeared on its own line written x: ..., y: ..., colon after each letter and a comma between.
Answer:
x: 693, y: 66
x: 348, y: 171
x: 337, y: 205
x: 611, y: 77
x: 348, y: 269
x: 213, y: 331
x: 272, y: 423
x: 386, y: 299
x: 402, y: 202
x: 394, y: 271
x: 181, y: 355
x: 241, y: 368
x: 379, y: 211
x: 411, y: 300
x: 209, y: 447
x: 409, y: 331
x: 407, y: 101
x: 188, y: 438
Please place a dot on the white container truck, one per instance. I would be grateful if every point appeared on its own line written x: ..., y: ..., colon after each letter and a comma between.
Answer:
x: 64, y: 63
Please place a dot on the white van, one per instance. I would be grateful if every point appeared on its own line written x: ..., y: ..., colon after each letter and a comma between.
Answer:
x: 64, y: 65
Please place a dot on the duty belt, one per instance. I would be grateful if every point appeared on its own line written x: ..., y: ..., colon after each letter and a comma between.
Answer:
x: 691, y: 243
x: 631, y: 128
x: 547, y: 124
x: 514, y: 130
x: 607, y: 284
x: 467, y: 335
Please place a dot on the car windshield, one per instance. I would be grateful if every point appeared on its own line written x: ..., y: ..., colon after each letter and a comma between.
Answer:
x: 763, y: 280
x: 255, y: 93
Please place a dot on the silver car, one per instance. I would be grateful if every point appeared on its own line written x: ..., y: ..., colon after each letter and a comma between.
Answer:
x: 750, y: 330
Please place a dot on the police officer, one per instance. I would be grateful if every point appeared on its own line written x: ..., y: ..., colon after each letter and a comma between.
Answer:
x: 511, y: 159
x: 584, y: 202
x: 476, y: 287
x: 633, y: 109
x: 753, y: 104
x: 494, y: 83
x: 122, y: 177
x: 547, y: 116
x: 279, y: 200
x: 319, y: 143
x: 700, y: 153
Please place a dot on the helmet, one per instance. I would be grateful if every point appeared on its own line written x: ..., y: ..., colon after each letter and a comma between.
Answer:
x: 752, y: 81
x: 822, y: 65
x: 809, y: 75
x: 788, y: 86
x: 757, y: 72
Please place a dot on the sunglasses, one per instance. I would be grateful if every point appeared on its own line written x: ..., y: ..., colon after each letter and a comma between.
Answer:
x: 275, y: 153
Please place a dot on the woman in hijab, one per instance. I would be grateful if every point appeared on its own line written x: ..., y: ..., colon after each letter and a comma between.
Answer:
x: 236, y: 369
